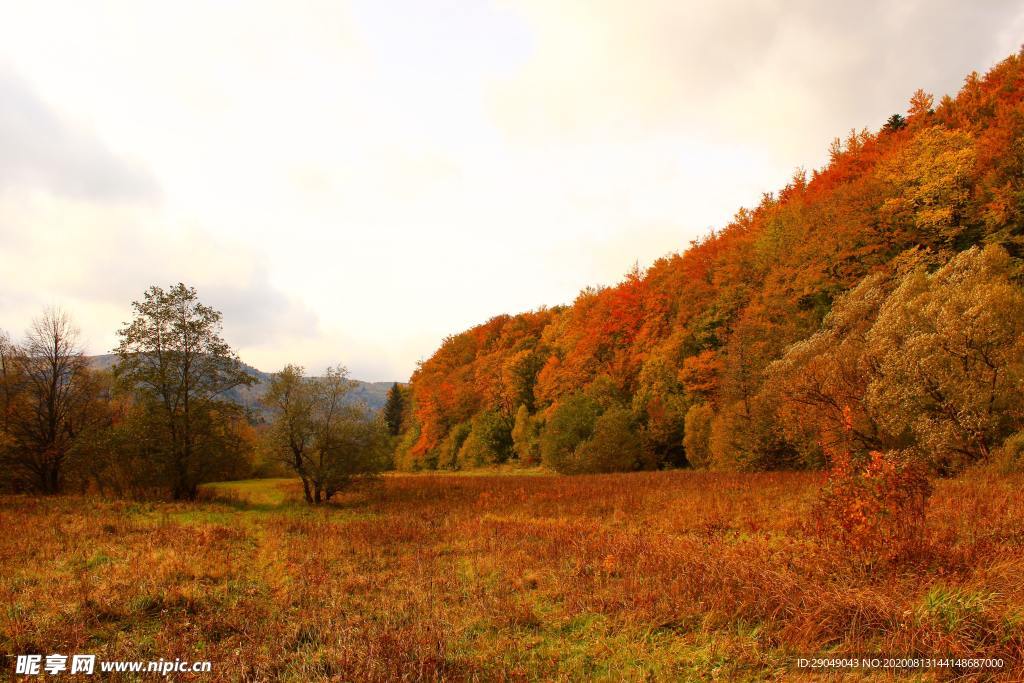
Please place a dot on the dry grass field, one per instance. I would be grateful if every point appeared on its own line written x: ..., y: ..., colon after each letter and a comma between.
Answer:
x: 663, y: 576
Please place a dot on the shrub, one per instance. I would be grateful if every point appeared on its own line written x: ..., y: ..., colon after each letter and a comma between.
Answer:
x: 746, y: 436
x: 614, y: 447
x: 404, y: 458
x: 448, y: 456
x: 875, y: 503
x: 570, y: 424
x: 1009, y: 459
x: 697, y: 435
x: 526, y: 437
x: 489, y: 441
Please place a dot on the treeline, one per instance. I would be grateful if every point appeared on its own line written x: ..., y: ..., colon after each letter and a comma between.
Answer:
x: 876, y: 302
x: 159, y: 423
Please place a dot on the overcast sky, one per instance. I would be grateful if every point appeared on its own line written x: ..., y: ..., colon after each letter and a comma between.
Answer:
x: 350, y: 181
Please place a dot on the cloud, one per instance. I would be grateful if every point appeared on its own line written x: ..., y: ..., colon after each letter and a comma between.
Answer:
x: 260, y: 314
x: 352, y: 181
x: 101, y: 258
x: 42, y: 151
x: 788, y: 76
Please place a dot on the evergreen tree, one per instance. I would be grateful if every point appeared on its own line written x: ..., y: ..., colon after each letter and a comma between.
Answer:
x: 394, y: 409
x: 895, y: 122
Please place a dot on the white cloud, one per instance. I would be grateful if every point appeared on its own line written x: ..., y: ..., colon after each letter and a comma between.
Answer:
x: 42, y: 151
x: 350, y: 182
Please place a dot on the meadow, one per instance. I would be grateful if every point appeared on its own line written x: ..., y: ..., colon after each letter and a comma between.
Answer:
x: 664, y: 576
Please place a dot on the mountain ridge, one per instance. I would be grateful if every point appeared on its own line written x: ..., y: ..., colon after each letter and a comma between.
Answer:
x: 373, y: 394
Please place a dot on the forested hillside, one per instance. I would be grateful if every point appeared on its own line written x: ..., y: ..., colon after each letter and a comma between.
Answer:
x: 878, y: 299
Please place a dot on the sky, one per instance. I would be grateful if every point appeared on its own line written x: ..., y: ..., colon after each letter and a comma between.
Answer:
x: 351, y: 181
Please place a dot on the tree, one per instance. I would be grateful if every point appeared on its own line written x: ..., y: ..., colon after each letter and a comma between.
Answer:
x: 49, y: 400
x: 451, y: 445
x: 929, y: 362
x: 949, y: 347
x: 489, y: 441
x: 894, y: 123
x: 394, y: 409
x: 526, y: 437
x: 615, y: 445
x: 930, y: 186
x: 569, y: 425
x: 293, y: 431
x: 325, y: 439
x: 820, y: 384
x: 697, y: 435
x: 702, y: 326
x: 920, y: 104
x: 171, y: 355
x: 8, y: 389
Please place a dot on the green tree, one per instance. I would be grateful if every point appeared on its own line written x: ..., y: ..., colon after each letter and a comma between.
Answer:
x: 327, y: 440
x: 615, y: 445
x: 569, y: 425
x: 292, y: 433
x: 171, y: 355
x: 489, y: 441
x: 394, y: 409
x: 526, y: 437
x: 451, y: 445
x: 894, y: 123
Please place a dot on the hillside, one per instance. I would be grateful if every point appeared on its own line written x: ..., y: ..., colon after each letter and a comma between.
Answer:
x: 373, y: 394
x: 760, y: 342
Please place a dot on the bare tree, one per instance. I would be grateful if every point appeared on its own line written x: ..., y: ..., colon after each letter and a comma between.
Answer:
x: 46, y: 395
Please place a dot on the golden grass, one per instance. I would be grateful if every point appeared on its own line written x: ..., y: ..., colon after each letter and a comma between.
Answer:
x: 665, y: 576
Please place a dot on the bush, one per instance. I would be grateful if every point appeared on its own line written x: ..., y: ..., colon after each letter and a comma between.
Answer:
x: 697, y: 435
x: 746, y: 436
x: 1009, y: 459
x: 570, y: 424
x: 614, y: 447
x: 526, y: 437
x: 489, y: 441
x: 404, y: 459
x: 875, y: 504
x: 448, y: 451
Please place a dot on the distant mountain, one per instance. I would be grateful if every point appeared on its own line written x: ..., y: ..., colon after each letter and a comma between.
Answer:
x: 373, y: 394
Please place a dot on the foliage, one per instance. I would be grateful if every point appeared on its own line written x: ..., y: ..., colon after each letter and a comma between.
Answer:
x: 1009, y: 458
x: 448, y: 451
x: 614, y: 446
x: 697, y: 439
x: 570, y: 424
x: 949, y: 348
x: 526, y: 437
x: 874, y: 504
x: 489, y: 441
x: 929, y: 361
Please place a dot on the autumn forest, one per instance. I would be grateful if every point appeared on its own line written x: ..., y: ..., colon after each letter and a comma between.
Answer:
x: 874, y: 304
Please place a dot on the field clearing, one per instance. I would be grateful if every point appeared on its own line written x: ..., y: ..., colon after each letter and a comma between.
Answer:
x: 665, y: 576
